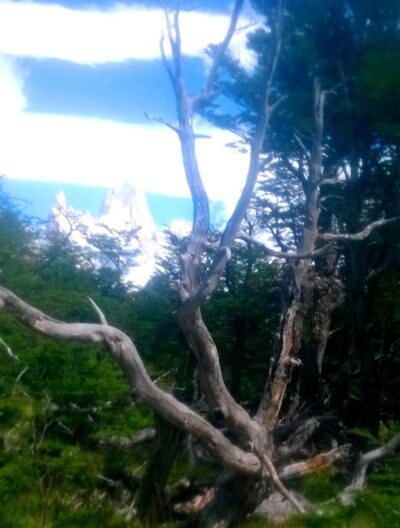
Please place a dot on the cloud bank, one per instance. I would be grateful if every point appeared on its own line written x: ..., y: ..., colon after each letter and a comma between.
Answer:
x: 12, y: 98
x: 99, y: 152
x: 92, y: 36
x: 94, y: 151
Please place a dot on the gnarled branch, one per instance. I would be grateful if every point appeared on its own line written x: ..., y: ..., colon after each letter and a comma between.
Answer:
x: 366, y: 459
x: 316, y: 463
x: 361, y: 235
x: 124, y: 352
x: 280, y: 254
x: 126, y: 443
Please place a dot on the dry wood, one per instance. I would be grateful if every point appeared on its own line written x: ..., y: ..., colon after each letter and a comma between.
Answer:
x: 298, y: 439
x: 124, y: 352
x: 292, y: 325
x: 101, y: 315
x: 193, y: 289
x: 127, y: 443
x: 268, y: 469
x: 321, y: 461
x: 366, y: 459
x: 361, y: 235
x: 281, y: 254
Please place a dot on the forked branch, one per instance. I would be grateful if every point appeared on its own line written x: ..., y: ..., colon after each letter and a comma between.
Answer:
x: 208, y: 90
x: 124, y: 352
x: 192, y: 288
x: 210, y: 282
x: 361, y: 235
x: 280, y: 254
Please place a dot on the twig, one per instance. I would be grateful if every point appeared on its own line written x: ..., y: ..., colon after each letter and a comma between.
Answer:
x: 101, y: 315
x: 8, y: 350
x: 279, y: 254
x: 162, y: 121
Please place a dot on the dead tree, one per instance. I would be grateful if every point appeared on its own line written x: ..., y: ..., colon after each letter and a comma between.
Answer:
x: 247, y: 450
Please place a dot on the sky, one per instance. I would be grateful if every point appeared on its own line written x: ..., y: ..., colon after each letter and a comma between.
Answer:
x: 76, y: 81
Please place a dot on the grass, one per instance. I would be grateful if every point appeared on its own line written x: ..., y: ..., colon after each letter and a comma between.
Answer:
x: 377, y: 507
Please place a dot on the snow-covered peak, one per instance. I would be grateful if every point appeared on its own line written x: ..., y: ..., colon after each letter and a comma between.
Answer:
x: 126, y: 206
x: 61, y: 201
x: 124, y: 216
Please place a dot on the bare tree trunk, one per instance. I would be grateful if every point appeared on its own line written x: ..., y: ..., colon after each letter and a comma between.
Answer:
x: 327, y: 294
x: 150, y: 500
x: 292, y: 326
x: 235, y: 497
x: 239, y: 351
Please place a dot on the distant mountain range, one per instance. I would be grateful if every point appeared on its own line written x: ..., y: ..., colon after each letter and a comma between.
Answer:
x: 129, y: 216
x: 37, y: 197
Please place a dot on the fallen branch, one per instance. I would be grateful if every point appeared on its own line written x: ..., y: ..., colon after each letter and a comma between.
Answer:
x: 124, y: 352
x: 359, y: 479
x: 126, y: 443
x: 316, y: 463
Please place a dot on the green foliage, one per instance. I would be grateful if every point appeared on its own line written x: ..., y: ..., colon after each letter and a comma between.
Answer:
x: 375, y: 508
x: 49, y: 457
x: 59, y: 399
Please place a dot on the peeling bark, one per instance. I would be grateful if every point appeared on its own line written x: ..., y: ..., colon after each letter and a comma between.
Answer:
x: 292, y: 325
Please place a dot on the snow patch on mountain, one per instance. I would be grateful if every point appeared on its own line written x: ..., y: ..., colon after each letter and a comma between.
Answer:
x: 123, y: 236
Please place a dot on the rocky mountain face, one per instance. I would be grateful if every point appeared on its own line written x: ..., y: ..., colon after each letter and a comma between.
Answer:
x: 123, y: 237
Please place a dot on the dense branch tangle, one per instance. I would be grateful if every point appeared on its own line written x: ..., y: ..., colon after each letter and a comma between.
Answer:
x: 248, y: 435
x: 251, y: 446
x: 124, y: 352
x: 194, y: 287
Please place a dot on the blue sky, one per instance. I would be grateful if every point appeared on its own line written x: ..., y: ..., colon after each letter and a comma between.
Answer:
x: 35, y: 198
x: 76, y: 79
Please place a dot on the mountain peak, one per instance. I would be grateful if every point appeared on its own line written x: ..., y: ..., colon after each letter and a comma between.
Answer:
x: 124, y: 215
x: 126, y: 206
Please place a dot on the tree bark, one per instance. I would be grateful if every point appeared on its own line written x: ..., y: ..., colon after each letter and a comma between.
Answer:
x: 325, y: 295
x: 239, y: 351
x: 292, y: 326
x: 150, y: 499
x: 235, y: 497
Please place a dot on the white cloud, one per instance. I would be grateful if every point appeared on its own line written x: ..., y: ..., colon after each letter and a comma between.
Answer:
x: 98, y: 152
x: 180, y: 227
x: 90, y: 36
x: 94, y: 151
x: 12, y: 99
